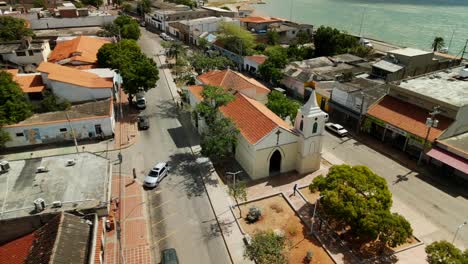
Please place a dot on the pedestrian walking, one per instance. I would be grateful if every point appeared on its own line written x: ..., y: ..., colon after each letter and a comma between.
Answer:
x: 120, y: 157
x: 134, y: 175
x: 294, y: 189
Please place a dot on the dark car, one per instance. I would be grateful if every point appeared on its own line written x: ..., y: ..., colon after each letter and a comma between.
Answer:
x: 169, y: 256
x: 143, y: 123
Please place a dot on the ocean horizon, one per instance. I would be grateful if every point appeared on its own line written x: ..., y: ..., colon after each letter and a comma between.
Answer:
x: 410, y: 23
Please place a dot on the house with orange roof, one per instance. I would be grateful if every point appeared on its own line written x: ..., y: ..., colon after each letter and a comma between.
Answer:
x: 77, y: 85
x: 79, y: 52
x: 268, y: 145
x: 251, y: 63
x: 235, y: 81
x: 258, y: 24
x: 31, y: 84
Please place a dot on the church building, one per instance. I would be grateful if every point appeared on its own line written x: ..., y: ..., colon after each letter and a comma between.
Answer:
x: 267, y: 145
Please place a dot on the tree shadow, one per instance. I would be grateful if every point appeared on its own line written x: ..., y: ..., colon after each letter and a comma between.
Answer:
x: 166, y: 110
x: 215, y: 230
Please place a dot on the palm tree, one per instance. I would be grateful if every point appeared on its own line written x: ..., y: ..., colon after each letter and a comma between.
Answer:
x: 438, y: 43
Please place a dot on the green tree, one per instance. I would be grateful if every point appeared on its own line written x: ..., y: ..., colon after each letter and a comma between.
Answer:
x: 95, y: 3
x: 273, y: 37
x: 266, y: 248
x: 282, y: 105
x: 271, y: 69
x: 137, y: 70
x: 213, y: 98
x: 239, y: 192
x: 443, y: 252
x: 175, y: 49
x: 303, y: 37
x: 12, y: 28
x: 124, y: 26
x: 127, y: 7
x: 13, y: 105
x: 202, y: 63
x: 51, y: 103
x: 438, y: 43
x: 78, y: 4
x: 330, y: 41
x: 358, y: 198
x: 144, y: 7
x: 40, y: 3
x: 361, y: 51
x: 270, y: 73
x: 235, y: 38
x: 4, y: 137
x: 219, y: 141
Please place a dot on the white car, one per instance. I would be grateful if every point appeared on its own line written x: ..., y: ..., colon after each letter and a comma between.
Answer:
x: 337, y: 129
x: 156, y: 174
x: 165, y: 37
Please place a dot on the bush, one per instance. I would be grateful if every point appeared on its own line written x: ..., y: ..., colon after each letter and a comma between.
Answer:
x: 254, y: 214
x: 267, y: 247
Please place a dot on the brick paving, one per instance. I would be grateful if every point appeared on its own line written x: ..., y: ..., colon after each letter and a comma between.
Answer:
x: 131, y: 209
x: 126, y: 129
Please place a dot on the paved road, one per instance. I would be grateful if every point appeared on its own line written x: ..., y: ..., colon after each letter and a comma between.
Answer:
x: 438, y: 213
x: 181, y: 216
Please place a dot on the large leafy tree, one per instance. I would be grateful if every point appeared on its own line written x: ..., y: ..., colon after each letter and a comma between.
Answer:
x: 202, y: 63
x: 438, y: 43
x: 144, y: 6
x: 443, y: 252
x: 95, y: 3
x: 12, y: 28
x: 271, y: 69
x: 360, y: 199
x: 13, y: 105
x: 330, y: 41
x: 267, y: 247
x: 123, y: 26
x: 176, y: 50
x: 235, y: 38
x: 213, y: 98
x: 137, y: 70
x: 4, y: 137
x: 282, y: 105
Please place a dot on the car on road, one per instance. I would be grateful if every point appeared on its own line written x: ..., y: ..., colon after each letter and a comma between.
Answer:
x: 143, y: 123
x: 169, y: 256
x: 140, y: 100
x: 156, y: 174
x: 337, y: 129
x: 165, y: 37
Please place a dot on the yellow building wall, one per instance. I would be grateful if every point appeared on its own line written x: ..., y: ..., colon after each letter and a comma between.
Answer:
x: 319, y: 100
x: 262, y: 160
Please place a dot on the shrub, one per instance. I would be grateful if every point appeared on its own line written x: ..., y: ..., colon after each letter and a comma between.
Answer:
x: 254, y: 214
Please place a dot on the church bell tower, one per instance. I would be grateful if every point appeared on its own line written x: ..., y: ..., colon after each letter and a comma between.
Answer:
x: 310, y: 123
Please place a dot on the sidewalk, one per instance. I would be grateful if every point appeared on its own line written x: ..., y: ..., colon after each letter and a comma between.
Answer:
x: 131, y: 211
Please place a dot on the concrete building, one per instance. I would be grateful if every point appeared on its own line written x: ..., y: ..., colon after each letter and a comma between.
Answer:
x: 288, y: 30
x: 258, y: 24
x: 24, y: 52
x: 267, y: 145
x: 80, y: 52
x: 77, y: 86
x: 299, y: 74
x: 31, y: 84
x: 403, y: 63
x: 189, y: 30
x: 86, y: 121
x: 251, y: 63
x: 80, y: 182
x: 400, y: 118
x: 234, y: 81
x: 160, y: 19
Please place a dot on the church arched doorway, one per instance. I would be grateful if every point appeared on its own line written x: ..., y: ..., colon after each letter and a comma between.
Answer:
x: 275, y: 163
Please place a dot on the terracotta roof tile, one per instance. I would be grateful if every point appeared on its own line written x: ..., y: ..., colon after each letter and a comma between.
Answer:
x: 406, y: 116
x: 82, y: 48
x: 259, y: 19
x: 252, y: 118
x: 229, y: 79
x: 196, y: 90
x: 73, y: 76
x: 260, y: 59
x: 16, y: 251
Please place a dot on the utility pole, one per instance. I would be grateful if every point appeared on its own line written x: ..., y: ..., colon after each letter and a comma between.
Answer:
x: 458, y: 229
x: 72, y: 131
x: 430, y: 123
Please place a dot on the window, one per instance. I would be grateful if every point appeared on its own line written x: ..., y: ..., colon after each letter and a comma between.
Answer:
x: 63, y: 129
x: 31, y: 53
x: 314, y: 128
x: 21, y: 134
x: 20, y: 53
x: 37, y: 51
x: 301, y: 126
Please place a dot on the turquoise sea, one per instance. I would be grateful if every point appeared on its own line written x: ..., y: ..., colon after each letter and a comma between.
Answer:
x: 411, y: 23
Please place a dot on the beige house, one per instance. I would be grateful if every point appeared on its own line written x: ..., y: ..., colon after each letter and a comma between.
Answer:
x: 267, y: 145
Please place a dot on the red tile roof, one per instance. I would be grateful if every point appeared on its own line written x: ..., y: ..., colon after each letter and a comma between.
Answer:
x: 260, y: 19
x: 74, y: 76
x: 16, y: 251
x: 29, y: 83
x: 196, y: 90
x: 253, y: 119
x: 229, y: 79
x: 259, y: 59
x: 82, y: 48
x: 408, y: 117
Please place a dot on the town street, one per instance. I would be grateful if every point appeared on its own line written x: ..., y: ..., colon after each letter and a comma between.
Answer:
x: 179, y: 209
x: 439, y: 212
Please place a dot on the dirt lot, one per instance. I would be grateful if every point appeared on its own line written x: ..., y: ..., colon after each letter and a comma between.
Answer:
x: 277, y: 214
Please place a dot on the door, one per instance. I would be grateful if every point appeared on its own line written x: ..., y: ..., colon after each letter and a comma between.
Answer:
x: 275, y: 163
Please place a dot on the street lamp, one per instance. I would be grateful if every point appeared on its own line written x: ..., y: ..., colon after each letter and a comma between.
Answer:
x: 313, y: 215
x: 234, y: 176
x: 430, y: 123
x: 458, y: 229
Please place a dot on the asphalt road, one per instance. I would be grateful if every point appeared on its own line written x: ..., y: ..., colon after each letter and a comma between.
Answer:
x: 440, y: 204
x: 180, y: 213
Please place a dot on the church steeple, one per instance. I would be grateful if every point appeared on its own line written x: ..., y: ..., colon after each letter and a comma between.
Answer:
x: 310, y: 119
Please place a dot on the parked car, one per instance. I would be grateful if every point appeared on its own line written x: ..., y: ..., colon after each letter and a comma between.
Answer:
x: 156, y: 174
x: 140, y: 100
x: 165, y: 37
x: 169, y: 256
x: 143, y: 123
x: 143, y: 23
x: 337, y: 129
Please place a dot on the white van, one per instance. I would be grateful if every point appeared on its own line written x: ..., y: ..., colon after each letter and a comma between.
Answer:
x: 140, y: 100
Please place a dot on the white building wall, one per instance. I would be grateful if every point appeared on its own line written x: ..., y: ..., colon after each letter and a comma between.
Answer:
x: 245, y: 155
x: 28, y: 135
x: 36, y: 58
x: 74, y: 93
x: 52, y: 22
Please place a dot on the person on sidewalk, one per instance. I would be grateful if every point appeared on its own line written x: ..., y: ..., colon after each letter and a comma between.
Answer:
x: 294, y: 189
